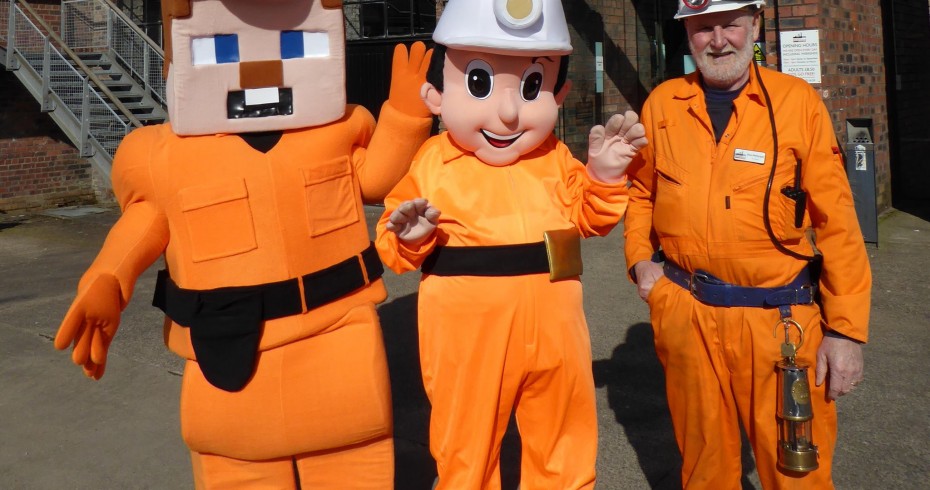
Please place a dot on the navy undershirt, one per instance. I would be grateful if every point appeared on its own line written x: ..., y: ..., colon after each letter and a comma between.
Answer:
x: 720, y: 107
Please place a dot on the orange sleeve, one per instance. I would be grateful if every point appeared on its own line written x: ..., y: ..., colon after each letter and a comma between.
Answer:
x: 382, y: 161
x: 846, y: 280
x: 398, y: 256
x: 140, y: 235
x: 639, y: 239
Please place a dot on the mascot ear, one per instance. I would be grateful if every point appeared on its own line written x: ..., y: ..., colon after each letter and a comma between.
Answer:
x: 431, y: 97
x: 563, y: 93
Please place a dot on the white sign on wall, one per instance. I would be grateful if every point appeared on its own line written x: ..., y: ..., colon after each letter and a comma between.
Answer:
x: 800, y: 54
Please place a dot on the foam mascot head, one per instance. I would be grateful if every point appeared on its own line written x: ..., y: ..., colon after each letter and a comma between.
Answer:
x: 238, y: 66
x: 502, y: 79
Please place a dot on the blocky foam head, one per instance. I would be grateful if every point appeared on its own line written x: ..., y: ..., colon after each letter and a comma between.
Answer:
x: 253, y: 65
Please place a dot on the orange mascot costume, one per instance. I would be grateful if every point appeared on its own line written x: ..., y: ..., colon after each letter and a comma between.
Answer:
x: 501, y: 326
x: 253, y: 192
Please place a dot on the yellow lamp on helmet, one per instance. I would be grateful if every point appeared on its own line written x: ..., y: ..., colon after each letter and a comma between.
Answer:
x: 505, y: 27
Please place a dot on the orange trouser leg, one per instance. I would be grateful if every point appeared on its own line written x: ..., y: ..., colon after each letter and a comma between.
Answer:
x: 697, y: 385
x: 365, y: 466
x: 720, y: 368
x: 212, y: 472
x: 556, y: 410
x: 483, y: 351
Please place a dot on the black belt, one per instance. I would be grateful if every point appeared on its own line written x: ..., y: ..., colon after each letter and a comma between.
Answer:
x: 713, y: 291
x: 491, y: 260
x: 225, y: 323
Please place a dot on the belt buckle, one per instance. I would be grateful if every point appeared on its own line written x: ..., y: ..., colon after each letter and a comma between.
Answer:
x: 810, y: 299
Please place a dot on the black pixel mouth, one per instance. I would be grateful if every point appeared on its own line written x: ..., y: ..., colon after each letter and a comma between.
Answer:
x: 237, y: 109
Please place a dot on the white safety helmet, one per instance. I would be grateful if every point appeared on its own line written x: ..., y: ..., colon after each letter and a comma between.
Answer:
x: 504, y: 27
x: 687, y: 8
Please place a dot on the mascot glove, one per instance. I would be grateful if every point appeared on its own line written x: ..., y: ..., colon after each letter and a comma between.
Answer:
x: 613, y: 146
x: 91, y: 323
x: 408, y: 74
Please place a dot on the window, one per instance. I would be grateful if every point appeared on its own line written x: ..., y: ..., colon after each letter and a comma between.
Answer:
x: 377, y: 19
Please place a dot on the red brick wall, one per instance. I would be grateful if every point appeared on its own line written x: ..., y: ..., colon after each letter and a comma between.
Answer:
x: 852, y: 68
x: 621, y: 27
x: 39, y: 168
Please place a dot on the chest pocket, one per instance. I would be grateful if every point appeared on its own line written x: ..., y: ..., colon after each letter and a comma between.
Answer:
x: 671, y: 216
x: 332, y: 201
x: 218, y: 220
x: 746, y: 204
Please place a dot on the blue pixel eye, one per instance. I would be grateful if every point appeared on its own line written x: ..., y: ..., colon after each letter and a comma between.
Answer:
x: 300, y: 44
x: 212, y: 50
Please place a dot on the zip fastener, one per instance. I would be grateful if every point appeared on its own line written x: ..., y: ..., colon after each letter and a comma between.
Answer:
x: 516, y: 200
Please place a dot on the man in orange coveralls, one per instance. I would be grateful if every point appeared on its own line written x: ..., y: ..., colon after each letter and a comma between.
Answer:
x: 698, y: 192
x: 495, y: 332
x: 254, y: 195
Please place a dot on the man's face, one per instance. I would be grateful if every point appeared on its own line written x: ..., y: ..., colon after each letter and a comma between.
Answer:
x: 722, y: 44
x: 497, y: 106
x: 241, y: 66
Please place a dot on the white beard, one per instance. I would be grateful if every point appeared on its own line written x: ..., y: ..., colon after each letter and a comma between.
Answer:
x: 724, y: 73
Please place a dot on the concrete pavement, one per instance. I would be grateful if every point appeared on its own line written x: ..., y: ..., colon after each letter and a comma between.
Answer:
x: 59, y: 430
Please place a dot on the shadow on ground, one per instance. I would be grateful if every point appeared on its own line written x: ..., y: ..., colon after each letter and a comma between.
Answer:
x: 636, y: 393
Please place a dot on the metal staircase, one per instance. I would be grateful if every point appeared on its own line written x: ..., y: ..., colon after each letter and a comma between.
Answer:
x: 98, y: 77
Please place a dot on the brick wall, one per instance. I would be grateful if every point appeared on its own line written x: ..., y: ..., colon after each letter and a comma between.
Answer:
x: 852, y: 66
x: 622, y: 26
x: 39, y: 168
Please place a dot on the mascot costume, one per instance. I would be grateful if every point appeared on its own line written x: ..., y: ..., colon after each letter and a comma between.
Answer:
x: 254, y: 195
x: 493, y: 210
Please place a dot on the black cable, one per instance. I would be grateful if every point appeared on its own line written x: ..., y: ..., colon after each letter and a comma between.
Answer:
x: 768, y: 186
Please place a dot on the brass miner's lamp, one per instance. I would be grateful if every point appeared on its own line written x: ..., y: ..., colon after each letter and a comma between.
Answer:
x: 796, y: 449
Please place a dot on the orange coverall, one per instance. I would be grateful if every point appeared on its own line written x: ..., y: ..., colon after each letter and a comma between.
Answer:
x: 225, y: 214
x: 704, y: 207
x: 489, y: 344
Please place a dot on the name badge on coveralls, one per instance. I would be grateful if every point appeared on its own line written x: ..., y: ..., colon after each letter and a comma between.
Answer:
x: 741, y: 155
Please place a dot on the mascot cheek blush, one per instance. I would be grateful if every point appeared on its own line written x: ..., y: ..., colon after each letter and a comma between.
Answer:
x: 253, y: 194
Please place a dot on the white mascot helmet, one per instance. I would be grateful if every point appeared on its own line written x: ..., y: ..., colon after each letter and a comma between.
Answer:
x: 504, y: 27
x: 687, y: 8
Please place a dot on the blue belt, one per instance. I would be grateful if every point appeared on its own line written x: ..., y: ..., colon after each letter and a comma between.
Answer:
x: 713, y: 291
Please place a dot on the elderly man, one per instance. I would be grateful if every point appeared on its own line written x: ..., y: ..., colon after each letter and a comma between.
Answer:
x: 742, y: 176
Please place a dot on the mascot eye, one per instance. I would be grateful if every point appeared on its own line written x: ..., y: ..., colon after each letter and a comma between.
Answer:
x: 212, y: 50
x: 479, y: 79
x: 531, y: 84
x: 299, y: 44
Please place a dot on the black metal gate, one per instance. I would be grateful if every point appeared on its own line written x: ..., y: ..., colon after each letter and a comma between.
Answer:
x: 373, y: 28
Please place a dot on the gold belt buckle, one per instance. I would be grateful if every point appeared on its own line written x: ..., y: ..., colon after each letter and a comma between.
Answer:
x: 563, y: 249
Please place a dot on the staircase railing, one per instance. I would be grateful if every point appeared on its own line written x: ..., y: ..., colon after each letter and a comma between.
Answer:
x: 100, y: 26
x: 88, y: 112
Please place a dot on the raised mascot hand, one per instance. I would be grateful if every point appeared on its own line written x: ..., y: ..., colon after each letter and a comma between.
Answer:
x: 612, y: 147
x: 408, y: 74
x: 91, y: 323
x: 413, y: 221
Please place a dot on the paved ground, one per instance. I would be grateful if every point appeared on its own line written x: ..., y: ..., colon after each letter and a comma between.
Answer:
x: 59, y: 430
